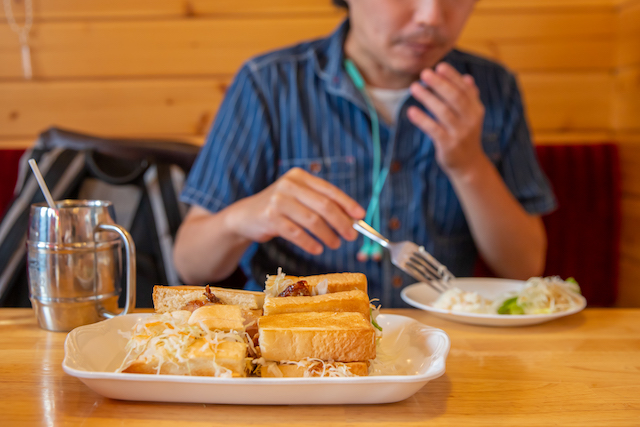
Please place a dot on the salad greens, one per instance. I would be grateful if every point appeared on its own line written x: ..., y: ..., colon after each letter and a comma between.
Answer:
x: 510, y: 306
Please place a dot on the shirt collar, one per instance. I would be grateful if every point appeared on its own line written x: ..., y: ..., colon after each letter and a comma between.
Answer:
x: 329, y: 66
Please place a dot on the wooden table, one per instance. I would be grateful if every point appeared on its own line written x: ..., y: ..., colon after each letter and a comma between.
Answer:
x: 582, y: 370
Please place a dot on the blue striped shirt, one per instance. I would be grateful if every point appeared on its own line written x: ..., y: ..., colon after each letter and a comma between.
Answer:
x: 297, y: 107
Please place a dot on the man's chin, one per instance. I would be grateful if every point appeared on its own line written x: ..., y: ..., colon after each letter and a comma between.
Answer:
x: 413, y: 67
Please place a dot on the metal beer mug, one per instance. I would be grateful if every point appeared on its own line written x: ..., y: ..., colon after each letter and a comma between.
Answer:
x: 75, y: 262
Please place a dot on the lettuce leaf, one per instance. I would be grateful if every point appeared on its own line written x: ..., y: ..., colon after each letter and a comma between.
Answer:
x: 510, y: 306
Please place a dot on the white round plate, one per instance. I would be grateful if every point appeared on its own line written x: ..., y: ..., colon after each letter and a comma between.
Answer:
x: 423, y: 296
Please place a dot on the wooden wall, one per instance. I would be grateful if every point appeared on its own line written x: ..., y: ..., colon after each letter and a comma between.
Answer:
x: 160, y: 68
x: 626, y: 122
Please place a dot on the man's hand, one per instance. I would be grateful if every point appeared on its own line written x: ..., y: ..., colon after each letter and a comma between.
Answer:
x: 295, y: 207
x: 454, y: 101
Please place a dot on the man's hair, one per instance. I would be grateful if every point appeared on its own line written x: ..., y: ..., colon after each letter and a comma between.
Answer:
x: 340, y: 3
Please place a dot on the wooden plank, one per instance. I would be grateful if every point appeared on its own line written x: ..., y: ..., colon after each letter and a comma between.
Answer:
x: 548, y: 55
x: 630, y: 232
x: 629, y: 277
x: 109, y: 9
x: 629, y: 38
x: 557, y: 102
x: 97, y: 9
x: 220, y: 45
x: 568, y: 101
x: 152, y: 48
x: 540, y: 24
x: 627, y: 99
x: 572, y: 137
x: 540, y: 138
x: 628, y: 137
x: 133, y: 107
x: 16, y: 143
x: 23, y: 143
x: 621, y: 4
x: 48, y: 10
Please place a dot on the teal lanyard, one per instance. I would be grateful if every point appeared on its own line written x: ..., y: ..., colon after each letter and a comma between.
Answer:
x: 370, y: 249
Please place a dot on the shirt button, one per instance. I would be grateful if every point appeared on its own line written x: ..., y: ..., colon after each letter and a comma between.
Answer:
x: 396, y: 281
x: 395, y: 166
x: 315, y: 167
x: 394, y: 224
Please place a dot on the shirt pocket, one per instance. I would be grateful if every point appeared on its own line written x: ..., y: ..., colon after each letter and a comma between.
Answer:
x: 336, y: 170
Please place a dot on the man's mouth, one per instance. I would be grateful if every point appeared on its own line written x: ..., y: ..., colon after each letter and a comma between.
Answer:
x: 418, y: 47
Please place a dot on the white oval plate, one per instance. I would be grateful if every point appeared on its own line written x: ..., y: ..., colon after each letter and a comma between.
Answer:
x: 94, y: 352
x: 423, y: 296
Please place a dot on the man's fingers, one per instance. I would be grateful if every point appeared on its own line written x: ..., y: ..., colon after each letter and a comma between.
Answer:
x: 465, y: 82
x: 314, y: 222
x: 426, y: 124
x: 437, y: 106
x: 350, y: 206
x: 326, y: 209
x: 451, y: 74
x: 319, y: 208
x: 452, y: 94
x: 292, y: 232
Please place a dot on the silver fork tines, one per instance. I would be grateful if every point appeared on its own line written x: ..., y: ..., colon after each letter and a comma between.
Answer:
x: 411, y: 258
x: 427, y: 272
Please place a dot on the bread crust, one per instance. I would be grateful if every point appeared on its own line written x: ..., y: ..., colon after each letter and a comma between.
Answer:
x: 172, y: 298
x: 338, y: 282
x: 340, y: 337
x: 349, y: 301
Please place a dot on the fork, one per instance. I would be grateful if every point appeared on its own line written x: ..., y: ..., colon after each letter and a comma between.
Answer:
x: 411, y: 258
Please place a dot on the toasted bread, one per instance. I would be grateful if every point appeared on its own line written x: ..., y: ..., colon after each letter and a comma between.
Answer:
x: 338, y: 282
x: 172, y: 298
x: 219, y: 317
x: 349, y: 301
x: 340, y: 337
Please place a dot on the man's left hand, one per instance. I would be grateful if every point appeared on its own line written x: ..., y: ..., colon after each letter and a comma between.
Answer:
x: 454, y: 101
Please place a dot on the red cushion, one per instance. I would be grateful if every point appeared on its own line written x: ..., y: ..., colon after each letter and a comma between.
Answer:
x: 9, y: 160
x: 584, y: 232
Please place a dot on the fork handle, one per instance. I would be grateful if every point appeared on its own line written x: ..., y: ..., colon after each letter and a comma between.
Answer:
x: 370, y: 232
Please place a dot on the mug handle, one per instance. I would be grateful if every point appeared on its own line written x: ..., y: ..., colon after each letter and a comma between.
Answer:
x: 130, y: 255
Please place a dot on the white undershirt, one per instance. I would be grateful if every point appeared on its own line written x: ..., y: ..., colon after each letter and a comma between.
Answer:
x: 387, y: 102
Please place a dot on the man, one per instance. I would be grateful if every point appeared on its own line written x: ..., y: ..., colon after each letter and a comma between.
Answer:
x: 298, y: 149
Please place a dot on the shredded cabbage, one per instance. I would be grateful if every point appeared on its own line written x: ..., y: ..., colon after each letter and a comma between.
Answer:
x: 540, y: 295
x: 321, y: 288
x: 548, y: 295
x: 280, y: 283
x: 312, y: 367
x: 166, y: 337
x: 374, y: 312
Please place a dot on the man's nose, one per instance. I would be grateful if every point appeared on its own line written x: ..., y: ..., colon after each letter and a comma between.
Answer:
x: 429, y: 12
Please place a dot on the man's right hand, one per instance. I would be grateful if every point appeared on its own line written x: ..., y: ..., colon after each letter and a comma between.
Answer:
x: 295, y: 207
